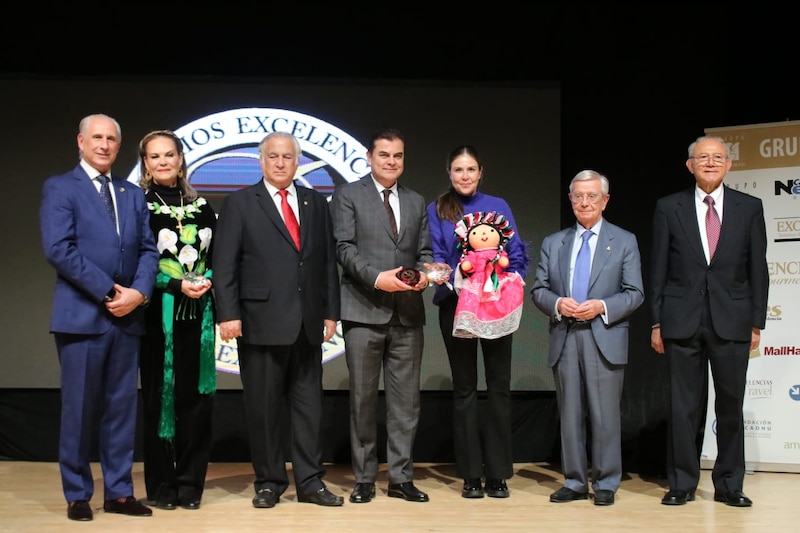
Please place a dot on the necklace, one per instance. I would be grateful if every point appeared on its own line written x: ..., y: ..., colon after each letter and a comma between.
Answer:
x: 173, y: 211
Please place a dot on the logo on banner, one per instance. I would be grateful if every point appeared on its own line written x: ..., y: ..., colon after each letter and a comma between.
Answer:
x: 758, y: 389
x: 756, y: 428
x: 221, y: 153
x: 787, y: 229
x: 784, y: 272
x: 794, y: 393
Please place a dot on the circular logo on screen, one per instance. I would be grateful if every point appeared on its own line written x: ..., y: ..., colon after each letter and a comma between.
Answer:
x: 221, y: 153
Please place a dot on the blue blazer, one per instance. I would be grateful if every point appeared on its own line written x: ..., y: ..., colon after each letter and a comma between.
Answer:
x: 81, y: 243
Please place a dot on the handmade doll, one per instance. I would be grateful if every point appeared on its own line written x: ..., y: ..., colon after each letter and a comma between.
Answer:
x: 489, y: 298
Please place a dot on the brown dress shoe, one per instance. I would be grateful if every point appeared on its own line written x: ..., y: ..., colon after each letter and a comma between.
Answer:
x: 79, y: 510
x: 129, y: 506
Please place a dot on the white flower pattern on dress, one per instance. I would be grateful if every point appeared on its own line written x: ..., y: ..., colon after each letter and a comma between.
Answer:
x: 167, y: 240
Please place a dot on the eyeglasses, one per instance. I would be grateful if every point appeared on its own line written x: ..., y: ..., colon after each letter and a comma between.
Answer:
x: 705, y: 158
x: 592, y: 198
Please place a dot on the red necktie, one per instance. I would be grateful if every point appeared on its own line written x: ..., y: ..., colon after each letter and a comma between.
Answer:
x: 713, y: 226
x: 289, y: 218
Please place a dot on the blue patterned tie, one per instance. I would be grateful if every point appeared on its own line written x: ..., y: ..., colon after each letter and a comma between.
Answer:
x: 105, y: 194
x: 580, y: 276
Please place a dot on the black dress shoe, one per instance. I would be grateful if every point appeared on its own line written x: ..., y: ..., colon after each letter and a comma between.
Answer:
x: 564, y: 494
x: 407, y: 491
x: 265, y: 498
x: 496, y: 488
x: 604, y: 497
x: 363, y: 493
x: 734, y: 498
x: 129, y: 506
x: 472, y: 488
x: 167, y: 498
x: 190, y: 504
x: 322, y: 497
x: 677, y: 497
x: 79, y: 510
x: 189, y: 498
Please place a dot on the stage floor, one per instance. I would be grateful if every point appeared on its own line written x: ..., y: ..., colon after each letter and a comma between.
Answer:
x: 31, y: 500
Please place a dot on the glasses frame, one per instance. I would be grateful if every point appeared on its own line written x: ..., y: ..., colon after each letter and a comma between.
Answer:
x: 707, y: 158
x: 577, y: 199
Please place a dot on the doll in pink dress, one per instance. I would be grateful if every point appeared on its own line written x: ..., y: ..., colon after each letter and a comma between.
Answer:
x: 489, y: 298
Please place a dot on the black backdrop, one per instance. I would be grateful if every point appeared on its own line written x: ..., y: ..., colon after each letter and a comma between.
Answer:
x: 638, y: 85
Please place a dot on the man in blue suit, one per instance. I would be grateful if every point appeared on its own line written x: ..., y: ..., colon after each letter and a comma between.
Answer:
x: 588, y: 338
x: 106, y: 261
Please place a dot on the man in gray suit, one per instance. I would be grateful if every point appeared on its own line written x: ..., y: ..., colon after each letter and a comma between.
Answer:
x: 378, y: 234
x: 588, y: 339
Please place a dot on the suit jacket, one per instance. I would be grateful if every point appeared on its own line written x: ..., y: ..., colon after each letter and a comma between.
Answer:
x: 83, y: 246
x: 616, y: 278
x: 366, y: 247
x: 262, y: 279
x: 737, y: 279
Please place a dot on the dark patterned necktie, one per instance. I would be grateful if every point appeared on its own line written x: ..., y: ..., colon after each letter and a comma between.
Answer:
x: 390, y: 211
x: 713, y: 226
x: 105, y: 194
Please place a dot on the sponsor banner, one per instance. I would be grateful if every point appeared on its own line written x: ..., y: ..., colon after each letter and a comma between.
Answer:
x: 766, y: 164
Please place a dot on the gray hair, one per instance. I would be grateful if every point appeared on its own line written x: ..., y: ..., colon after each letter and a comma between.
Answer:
x: 279, y: 135
x: 589, y: 175
x: 707, y: 138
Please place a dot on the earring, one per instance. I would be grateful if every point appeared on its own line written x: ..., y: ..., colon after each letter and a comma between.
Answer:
x: 147, y: 176
x: 180, y: 174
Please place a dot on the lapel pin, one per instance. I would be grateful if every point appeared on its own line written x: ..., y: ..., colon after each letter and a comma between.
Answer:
x: 305, y: 203
x: 122, y: 189
x: 608, y: 248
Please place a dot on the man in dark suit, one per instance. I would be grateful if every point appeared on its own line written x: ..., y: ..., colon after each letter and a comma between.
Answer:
x: 588, y: 336
x: 709, y: 305
x: 382, y: 316
x: 106, y: 261
x: 280, y: 301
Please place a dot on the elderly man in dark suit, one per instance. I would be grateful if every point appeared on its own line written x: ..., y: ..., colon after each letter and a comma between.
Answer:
x: 588, y: 338
x: 277, y: 293
x: 380, y: 228
x: 97, y: 237
x: 708, y: 296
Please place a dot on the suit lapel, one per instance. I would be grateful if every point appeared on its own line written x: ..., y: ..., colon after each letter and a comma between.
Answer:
x: 565, y: 259
x: 730, y: 223
x: 373, y: 199
x: 89, y: 190
x: 686, y: 214
x: 267, y: 204
x: 602, y: 251
x: 121, y: 195
x: 306, y: 214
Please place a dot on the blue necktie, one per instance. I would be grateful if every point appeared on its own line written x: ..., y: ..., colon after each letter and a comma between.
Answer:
x: 580, y: 276
x: 105, y: 194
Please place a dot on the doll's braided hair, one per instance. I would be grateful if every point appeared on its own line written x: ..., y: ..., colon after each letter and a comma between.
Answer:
x: 491, y: 218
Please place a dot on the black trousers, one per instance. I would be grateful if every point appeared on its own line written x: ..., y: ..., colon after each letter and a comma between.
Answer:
x: 179, y: 465
x: 482, y: 440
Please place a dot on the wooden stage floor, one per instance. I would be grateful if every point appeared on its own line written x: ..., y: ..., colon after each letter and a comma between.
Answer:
x: 31, y: 501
